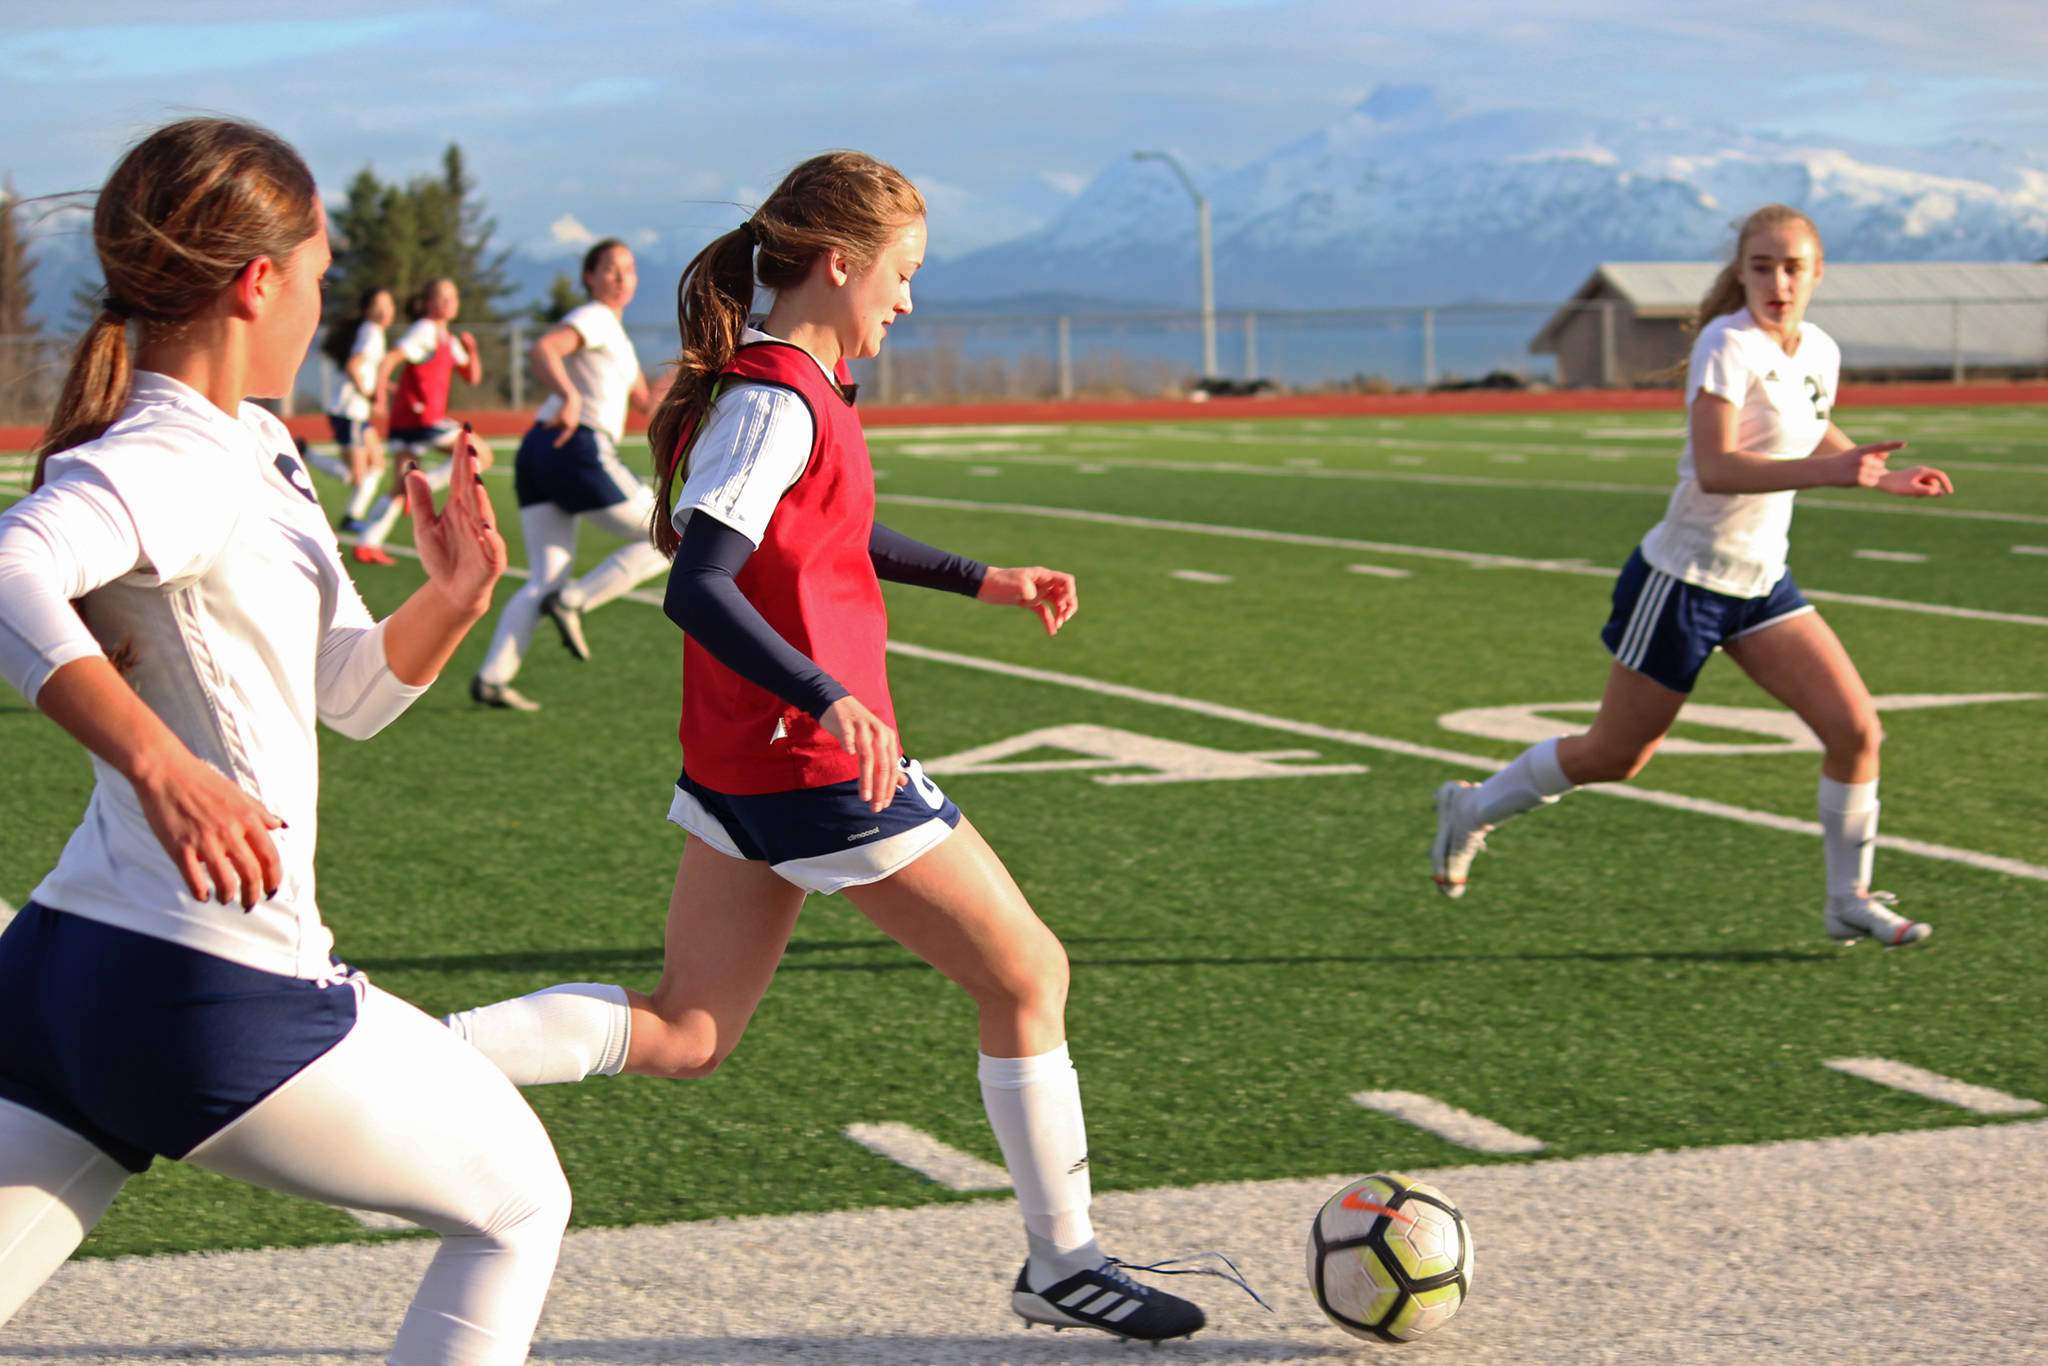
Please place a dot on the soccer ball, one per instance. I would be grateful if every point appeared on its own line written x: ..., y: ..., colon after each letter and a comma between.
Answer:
x: 1389, y: 1258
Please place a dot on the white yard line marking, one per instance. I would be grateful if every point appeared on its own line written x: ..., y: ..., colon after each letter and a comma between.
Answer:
x: 1905, y: 1077
x: 1508, y: 458
x: 2030, y: 550
x: 1381, y: 571
x: 1473, y: 558
x: 1996, y: 863
x: 1892, y: 556
x: 928, y: 1157
x: 1199, y: 576
x: 1447, y: 1122
x: 381, y: 1223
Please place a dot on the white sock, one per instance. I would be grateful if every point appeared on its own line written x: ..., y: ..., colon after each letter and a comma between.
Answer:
x: 1034, y: 1105
x: 364, y: 495
x: 330, y: 466
x: 382, y: 518
x: 627, y: 567
x: 1848, y: 828
x: 563, y: 1033
x: 1532, y: 780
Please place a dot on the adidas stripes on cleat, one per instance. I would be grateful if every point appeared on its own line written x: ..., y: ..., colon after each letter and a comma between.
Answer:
x: 1458, y: 840
x: 1851, y: 919
x: 1109, y: 1300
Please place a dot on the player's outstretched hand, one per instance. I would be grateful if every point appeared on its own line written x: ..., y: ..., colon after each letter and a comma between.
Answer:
x: 217, y: 834
x: 1922, y: 481
x: 1048, y: 592
x: 459, y: 545
x: 861, y: 732
x: 1863, y: 466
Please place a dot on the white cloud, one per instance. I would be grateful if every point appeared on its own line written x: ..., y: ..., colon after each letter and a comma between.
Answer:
x: 568, y: 232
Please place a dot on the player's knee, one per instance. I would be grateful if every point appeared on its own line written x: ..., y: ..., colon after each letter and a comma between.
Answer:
x: 1858, y: 737
x: 682, y: 1052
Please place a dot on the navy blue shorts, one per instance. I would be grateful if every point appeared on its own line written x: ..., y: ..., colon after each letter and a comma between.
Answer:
x: 823, y: 839
x: 582, y: 474
x: 439, y: 436
x: 1665, y: 628
x: 348, y: 431
x: 145, y: 1047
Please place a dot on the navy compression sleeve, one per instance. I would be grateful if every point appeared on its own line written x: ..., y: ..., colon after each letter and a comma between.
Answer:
x: 899, y: 559
x: 703, y: 599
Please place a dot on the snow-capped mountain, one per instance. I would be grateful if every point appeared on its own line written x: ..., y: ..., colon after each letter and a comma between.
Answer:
x: 1398, y: 203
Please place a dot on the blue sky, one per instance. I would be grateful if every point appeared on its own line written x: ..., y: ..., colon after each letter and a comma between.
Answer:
x: 640, y: 118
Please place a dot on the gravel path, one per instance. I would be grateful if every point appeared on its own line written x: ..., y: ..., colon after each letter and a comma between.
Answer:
x: 1901, y: 1248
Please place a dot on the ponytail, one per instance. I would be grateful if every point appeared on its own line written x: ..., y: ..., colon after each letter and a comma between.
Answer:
x: 95, y: 389
x: 713, y: 299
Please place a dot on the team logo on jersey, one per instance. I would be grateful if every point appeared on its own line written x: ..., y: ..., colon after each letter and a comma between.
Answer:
x: 295, y: 474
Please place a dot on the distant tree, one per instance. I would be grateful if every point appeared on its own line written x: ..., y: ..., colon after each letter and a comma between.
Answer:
x: 562, y: 296
x: 401, y: 236
x: 17, y: 287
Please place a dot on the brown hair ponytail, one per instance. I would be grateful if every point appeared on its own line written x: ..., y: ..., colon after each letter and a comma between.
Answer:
x: 1726, y: 294
x: 181, y: 216
x: 843, y: 201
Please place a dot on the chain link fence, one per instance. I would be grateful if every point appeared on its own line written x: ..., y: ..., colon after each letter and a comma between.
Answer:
x: 936, y: 356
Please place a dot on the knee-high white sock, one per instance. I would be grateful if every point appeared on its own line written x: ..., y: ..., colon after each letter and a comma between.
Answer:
x: 382, y: 517
x: 334, y: 468
x: 627, y: 567
x: 562, y: 1033
x: 1034, y: 1105
x: 1848, y: 828
x: 1532, y: 780
x: 364, y: 495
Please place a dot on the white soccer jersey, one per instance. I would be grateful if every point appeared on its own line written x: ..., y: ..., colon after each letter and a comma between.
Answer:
x: 202, y: 566
x: 602, y: 370
x: 1736, y: 543
x: 347, y: 400
x: 752, y: 445
x: 419, y: 342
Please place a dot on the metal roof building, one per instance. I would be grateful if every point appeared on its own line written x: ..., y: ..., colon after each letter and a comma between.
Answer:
x: 1921, y: 319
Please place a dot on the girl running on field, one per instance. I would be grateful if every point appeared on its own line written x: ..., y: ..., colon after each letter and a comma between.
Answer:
x: 356, y: 346
x: 172, y: 596
x: 568, y: 469
x: 793, y: 781
x: 432, y: 356
x: 1760, y: 394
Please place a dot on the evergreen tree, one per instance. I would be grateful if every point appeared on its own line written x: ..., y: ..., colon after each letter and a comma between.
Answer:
x: 17, y: 286
x: 562, y: 296
x: 401, y: 236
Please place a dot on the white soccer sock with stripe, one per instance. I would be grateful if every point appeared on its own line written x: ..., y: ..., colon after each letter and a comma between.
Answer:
x: 1034, y: 1105
x: 627, y: 567
x: 1848, y: 828
x: 562, y: 1033
x: 1532, y: 780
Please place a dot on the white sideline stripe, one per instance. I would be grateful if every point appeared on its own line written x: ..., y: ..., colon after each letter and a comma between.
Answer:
x: 1199, y: 576
x: 1381, y: 571
x: 380, y: 1222
x: 1447, y: 1122
x: 928, y: 1157
x: 1905, y: 1077
x: 1995, y: 863
x: 1894, y: 556
x: 1476, y: 559
x: 6, y: 913
x: 2030, y: 550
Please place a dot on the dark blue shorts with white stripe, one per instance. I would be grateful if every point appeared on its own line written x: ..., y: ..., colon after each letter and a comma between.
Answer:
x: 1665, y: 628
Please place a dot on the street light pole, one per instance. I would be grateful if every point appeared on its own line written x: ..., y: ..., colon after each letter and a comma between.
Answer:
x: 1208, y: 268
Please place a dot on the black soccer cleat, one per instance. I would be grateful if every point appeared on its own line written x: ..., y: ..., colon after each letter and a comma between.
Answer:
x: 1107, y: 1299
x: 568, y: 624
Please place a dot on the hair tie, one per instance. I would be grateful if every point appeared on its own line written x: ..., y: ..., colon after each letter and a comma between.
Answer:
x: 749, y: 234
x: 117, y: 306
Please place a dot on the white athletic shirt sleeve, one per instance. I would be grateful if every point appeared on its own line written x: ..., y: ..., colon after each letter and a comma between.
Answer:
x: 199, y: 563
x: 754, y: 443
x: 602, y: 370
x: 70, y: 539
x: 1737, y: 543
x: 419, y: 341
